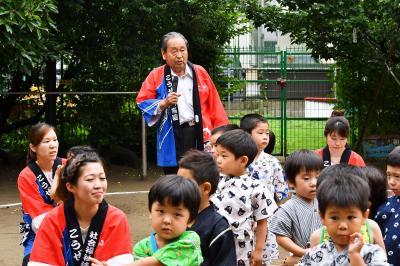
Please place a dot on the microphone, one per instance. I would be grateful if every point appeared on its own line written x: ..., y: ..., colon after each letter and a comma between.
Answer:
x: 174, y: 83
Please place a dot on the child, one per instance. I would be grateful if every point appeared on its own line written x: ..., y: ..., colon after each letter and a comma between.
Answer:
x: 370, y: 231
x: 217, y: 243
x: 267, y: 169
x: 343, y: 207
x: 388, y: 214
x: 297, y: 218
x: 217, y: 132
x: 173, y: 204
x: 271, y: 143
x: 244, y: 201
x: 378, y: 183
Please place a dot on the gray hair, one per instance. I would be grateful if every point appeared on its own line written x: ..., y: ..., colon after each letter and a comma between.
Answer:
x: 172, y: 35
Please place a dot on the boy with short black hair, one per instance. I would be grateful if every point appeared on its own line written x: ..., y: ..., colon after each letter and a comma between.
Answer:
x: 244, y: 201
x: 388, y: 214
x: 267, y: 169
x: 217, y: 242
x: 217, y: 132
x: 343, y: 206
x: 298, y: 217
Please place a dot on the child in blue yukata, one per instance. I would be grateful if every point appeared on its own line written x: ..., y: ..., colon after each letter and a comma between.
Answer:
x: 388, y: 214
x: 298, y: 217
x: 243, y: 200
x: 267, y: 169
x: 343, y: 207
x: 217, y: 242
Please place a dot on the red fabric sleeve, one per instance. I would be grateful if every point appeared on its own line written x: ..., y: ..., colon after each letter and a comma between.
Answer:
x: 214, y: 106
x: 319, y: 152
x: 32, y: 202
x: 115, y: 238
x: 47, y: 247
x: 356, y: 160
x: 150, y: 84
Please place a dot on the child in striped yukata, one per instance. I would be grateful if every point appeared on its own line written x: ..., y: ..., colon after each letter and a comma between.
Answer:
x: 298, y: 217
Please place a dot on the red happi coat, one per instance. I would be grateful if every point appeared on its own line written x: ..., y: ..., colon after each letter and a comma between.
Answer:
x: 115, y: 239
x: 33, y: 203
x: 153, y: 90
x: 354, y: 160
x: 212, y: 110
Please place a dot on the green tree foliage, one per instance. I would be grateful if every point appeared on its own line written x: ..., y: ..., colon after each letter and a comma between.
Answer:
x: 362, y: 36
x: 112, y: 46
x: 26, y: 28
x: 27, y: 33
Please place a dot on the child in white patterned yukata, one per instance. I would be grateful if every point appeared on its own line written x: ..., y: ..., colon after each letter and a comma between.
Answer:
x: 343, y: 206
x: 244, y: 201
x: 267, y: 169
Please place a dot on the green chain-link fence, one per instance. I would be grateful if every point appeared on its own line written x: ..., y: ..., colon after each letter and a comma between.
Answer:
x: 290, y: 88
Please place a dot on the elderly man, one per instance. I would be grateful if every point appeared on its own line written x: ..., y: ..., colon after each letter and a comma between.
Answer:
x: 182, y: 99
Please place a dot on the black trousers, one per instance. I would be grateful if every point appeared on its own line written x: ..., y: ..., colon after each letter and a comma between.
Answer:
x: 185, y: 139
x: 26, y: 260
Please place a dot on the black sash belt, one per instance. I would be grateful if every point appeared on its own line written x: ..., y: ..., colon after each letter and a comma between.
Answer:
x: 82, y: 251
x: 178, y: 134
x: 344, y: 159
x: 42, y: 180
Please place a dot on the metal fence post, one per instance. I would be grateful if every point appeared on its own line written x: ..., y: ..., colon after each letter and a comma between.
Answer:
x: 284, y: 89
x: 144, y: 150
x: 281, y: 105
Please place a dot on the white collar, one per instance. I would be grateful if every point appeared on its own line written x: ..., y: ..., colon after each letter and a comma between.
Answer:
x: 188, y: 71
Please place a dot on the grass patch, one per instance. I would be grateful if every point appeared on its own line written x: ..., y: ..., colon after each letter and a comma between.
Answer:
x: 301, y: 134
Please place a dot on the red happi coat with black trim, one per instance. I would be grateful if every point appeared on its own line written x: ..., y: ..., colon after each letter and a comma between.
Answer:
x: 354, y: 160
x: 154, y: 89
x: 115, y: 239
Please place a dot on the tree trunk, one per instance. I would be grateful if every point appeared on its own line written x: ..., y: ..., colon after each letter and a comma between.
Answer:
x: 370, y: 110
x: 51, y: 100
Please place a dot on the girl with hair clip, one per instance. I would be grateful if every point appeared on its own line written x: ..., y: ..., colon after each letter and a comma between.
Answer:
x: 337, y: 151
x: 35, y: 180
x: 85, y: 225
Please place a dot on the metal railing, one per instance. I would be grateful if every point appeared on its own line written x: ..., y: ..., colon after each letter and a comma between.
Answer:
x: 143, y: 124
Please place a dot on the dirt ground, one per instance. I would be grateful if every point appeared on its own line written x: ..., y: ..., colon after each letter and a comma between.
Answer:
x: 120, y: 179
